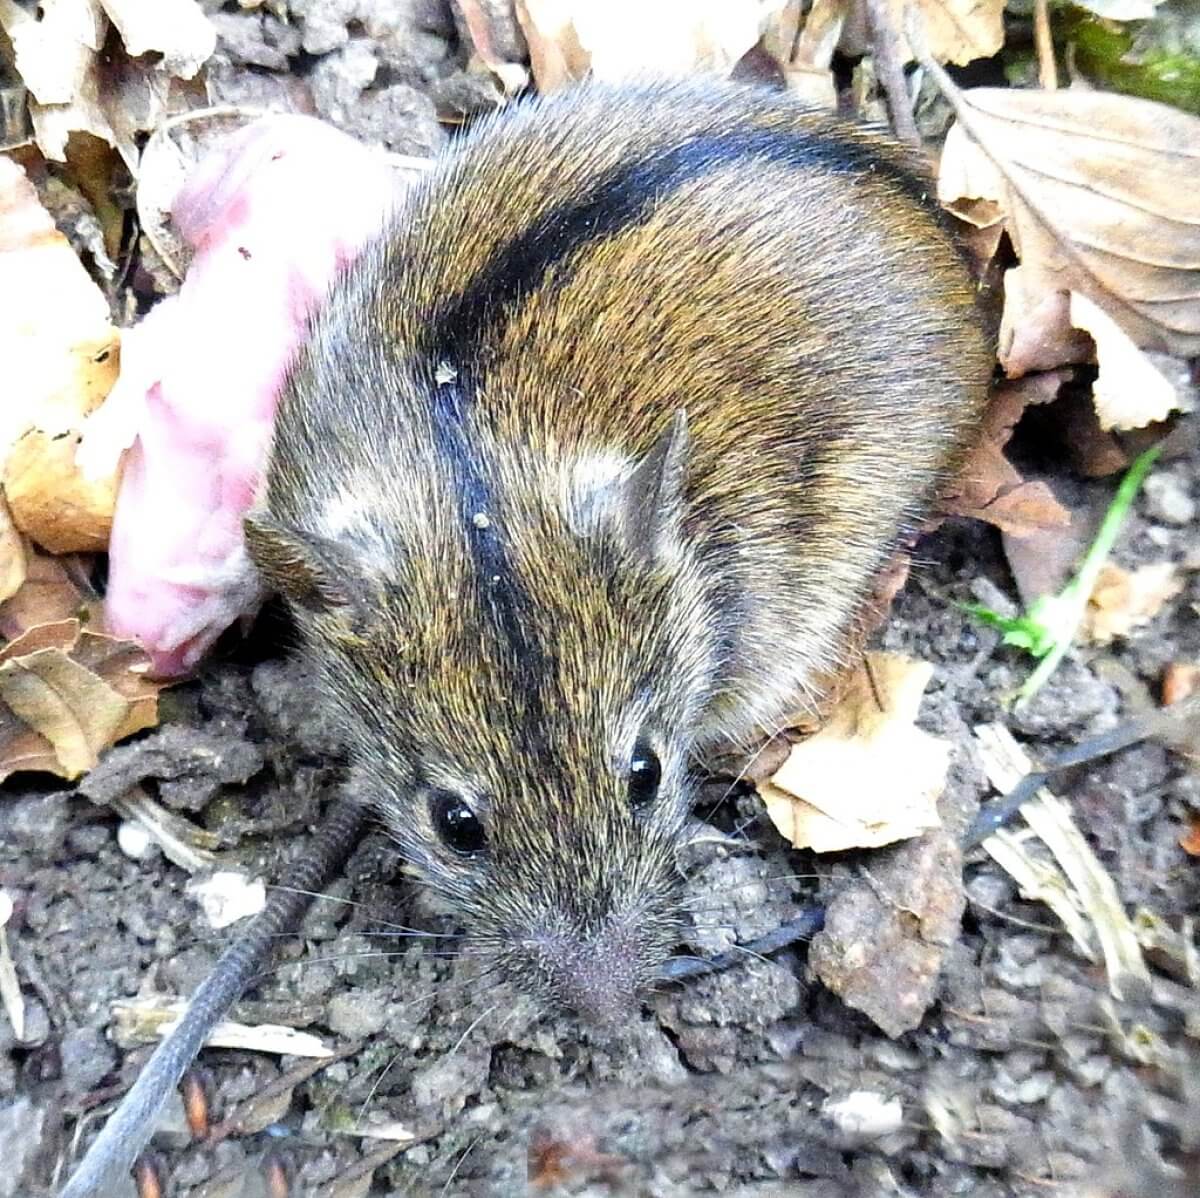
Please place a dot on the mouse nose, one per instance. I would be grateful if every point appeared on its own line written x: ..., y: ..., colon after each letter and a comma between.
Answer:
x: 597, y: 975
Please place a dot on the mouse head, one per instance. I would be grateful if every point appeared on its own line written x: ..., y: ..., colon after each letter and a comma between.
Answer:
x: 518, y: 682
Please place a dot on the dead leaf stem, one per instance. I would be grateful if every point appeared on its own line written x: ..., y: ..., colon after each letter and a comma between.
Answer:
x: 885, y: 43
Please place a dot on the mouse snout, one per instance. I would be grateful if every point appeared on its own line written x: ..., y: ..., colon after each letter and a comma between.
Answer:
x: 597, y: 975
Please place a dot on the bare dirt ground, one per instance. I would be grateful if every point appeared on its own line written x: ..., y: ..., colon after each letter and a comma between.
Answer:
x: 1023, y: 1078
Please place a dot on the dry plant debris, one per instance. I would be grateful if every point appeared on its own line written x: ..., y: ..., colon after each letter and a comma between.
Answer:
x: 10, y: 988
x: 66, y: 694
x: 568, y: 40
x: 144, y: 1020
x: 62, y: 53
x: 1124, y: 600
x: 992, y: 488
x: 1097, y: 193
x: 870, y: 777
x: 61, y: 355
x: 1074, y: 884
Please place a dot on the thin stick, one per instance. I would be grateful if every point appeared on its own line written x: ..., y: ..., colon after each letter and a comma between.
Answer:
x: 885, y: 45
x: 1047, y: 67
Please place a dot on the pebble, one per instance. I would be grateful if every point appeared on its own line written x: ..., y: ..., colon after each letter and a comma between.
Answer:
x: 1168, y: 500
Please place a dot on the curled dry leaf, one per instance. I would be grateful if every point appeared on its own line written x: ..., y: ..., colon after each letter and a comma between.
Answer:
x: 870, y: 776
x: 992, y: 488
x: 176, y: 29
x: 1124, y: 600
x: 80, y: 82
x: 12, y: 555
x: 66, y: 694
x: 55, y: 588
x: 1132, y: 390
x: 620, y: 39
x: 60, y: 359
x: 957, y: 31
x: 1099, y: 195
x: 1180, y: 679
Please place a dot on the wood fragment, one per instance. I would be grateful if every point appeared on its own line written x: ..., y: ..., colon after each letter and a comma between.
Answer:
x: 885, y: 43
x: 1044, y: 45
x: 183, y: 843
x: 1092, y: 886
x: 144, y: 1020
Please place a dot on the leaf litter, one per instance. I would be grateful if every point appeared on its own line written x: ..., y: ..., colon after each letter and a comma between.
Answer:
x: 1058, y: 322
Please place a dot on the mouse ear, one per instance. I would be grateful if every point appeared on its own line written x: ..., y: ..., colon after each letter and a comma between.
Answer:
x: 648, y: 503
x: 312, y: 572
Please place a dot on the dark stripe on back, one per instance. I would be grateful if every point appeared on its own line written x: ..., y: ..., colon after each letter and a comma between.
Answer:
x: 625, y: 196
x: 501, y: 596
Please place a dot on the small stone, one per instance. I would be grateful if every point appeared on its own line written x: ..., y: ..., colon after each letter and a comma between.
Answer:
x: 87, y: 1059
x: 1168, y: 499
x: 864, y: 1115
x: 134, y: 841
x: 357, y: 1014
x: 227, y: 896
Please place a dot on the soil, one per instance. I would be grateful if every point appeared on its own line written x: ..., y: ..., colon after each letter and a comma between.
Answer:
x: 1024, y: 1077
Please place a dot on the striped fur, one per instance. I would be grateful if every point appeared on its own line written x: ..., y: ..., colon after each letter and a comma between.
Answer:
x: 465, y: 426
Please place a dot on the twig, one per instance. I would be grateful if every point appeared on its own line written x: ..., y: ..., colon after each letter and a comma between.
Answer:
x: 885, y: 42
x: 1047, y: 68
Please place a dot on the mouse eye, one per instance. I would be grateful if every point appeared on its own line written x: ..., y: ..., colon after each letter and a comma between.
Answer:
x: 456, y: 824
x: 645, y: 773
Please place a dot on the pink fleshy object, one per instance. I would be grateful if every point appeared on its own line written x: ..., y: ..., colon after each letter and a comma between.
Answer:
x: 272, y: 216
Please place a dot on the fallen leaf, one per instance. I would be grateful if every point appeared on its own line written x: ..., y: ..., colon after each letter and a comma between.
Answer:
x: 51, y: 500
x: 67, y: 694
x: 957, y: 31
x: 12, y: 555
x: 80, y: 80
x: 1180, y: 679
x: 176, y: 29
x: 1124, y: 600
x: 622, y: 39
x: 55, y: 589
x: 1100, y: 197
x: 53, y: 43
x: 991, y: 487
x: 60, y: 354
x: 870, y: 776
x: 1190, y: 840
x: 1035, y: 328
x: 1131, y: 391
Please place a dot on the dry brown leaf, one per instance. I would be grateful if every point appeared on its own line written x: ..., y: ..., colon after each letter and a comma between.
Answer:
x: 992, y: 488
x: 53, y: 44
x: 55, y: 589
x: 1100, y: 195
x: 80, y: 83
x: 957, y: 31
x: 1180, y: 679
x: 52, y: 501
x: 176, y: 29
x: 621, y: 39
x: 1131, y: 390
x: 1190, y: 840
x: 66, y: 695
x: 870, y: 776
x: 1100, y: 199
x: 12, y: 555
x: 1035, y: 328
x: 60, y: 358
x: 1124, y: 600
